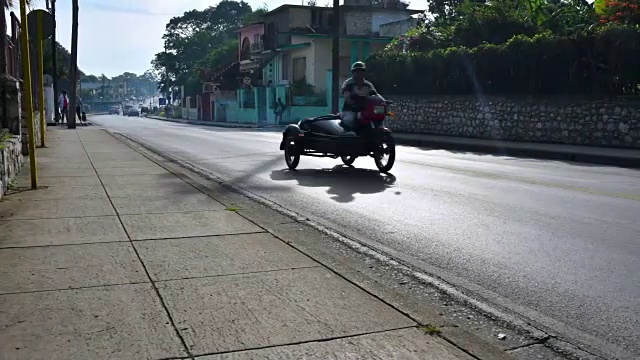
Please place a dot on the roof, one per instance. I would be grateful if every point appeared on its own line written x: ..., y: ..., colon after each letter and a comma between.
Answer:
x: 250, y: 25
x: 378, y: 8
x: 342, y: 37
x: 293, y: 46
x: 291, y: 6
x: 345, y: 7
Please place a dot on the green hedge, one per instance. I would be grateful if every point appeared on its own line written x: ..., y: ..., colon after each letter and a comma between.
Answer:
x: 604, y: 62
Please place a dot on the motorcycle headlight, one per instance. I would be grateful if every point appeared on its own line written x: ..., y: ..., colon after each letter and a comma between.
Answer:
x: 378, y: 110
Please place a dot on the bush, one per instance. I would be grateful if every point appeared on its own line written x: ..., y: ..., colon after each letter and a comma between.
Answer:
x: 602, y: 62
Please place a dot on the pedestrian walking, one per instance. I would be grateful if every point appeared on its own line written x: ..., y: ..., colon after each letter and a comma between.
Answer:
x: 63, y: 105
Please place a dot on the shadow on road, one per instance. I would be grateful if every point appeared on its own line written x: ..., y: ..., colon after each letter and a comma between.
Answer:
x: 343, y: 181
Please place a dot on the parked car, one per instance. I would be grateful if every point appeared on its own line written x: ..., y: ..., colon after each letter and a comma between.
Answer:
x: 133, y: 112
x: 144, y: 110
x: 114, y: 110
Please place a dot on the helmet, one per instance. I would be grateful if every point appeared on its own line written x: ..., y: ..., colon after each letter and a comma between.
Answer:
x: 358, y: 65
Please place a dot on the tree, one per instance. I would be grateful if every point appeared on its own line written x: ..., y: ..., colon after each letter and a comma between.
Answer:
x: 212, y: 67
x: 189, y: 38
x: 63, y: 61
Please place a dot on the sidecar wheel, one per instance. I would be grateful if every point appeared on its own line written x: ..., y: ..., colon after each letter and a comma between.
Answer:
x: 348, y: 160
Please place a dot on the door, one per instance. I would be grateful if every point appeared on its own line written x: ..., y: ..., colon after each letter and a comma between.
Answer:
x: 222, y: 112
x: 262, y: 105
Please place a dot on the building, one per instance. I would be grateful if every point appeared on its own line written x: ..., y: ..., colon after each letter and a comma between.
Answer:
x: 297, y: 39
x: 293, y: 42
x: 400, y: 27
x: 250, y: 47
x: 288, y: 56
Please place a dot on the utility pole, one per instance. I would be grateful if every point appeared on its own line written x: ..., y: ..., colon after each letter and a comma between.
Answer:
x: 26, y: 62
x: 335, y: 59
x: 51, y: 6
x: 74, y: 65
x: 40, y: 47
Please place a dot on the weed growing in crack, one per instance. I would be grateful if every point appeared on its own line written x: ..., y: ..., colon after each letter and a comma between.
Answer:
x: 431, y: 329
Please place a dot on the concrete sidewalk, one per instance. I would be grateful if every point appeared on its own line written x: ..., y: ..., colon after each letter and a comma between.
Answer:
x: 117, y: 258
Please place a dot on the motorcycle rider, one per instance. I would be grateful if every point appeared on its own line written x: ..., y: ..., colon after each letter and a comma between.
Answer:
x: 355, y: 90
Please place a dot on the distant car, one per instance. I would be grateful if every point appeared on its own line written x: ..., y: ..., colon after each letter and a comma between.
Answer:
x: 133, y: 112
x: 114, y: 110
x: 144, y: 110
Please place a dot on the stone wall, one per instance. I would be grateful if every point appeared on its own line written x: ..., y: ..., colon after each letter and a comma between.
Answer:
x: 578, y: 120
x: 11, y: 161
x: 25, y: 133
x: 10, y: 104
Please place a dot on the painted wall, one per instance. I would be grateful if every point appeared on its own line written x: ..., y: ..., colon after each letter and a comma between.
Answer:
x: 299, y: 18
x: 382, y: 16
x: 322, y: 62
x: 230, y: 111
x: 357, y: 22
x: 279, y: 22
x: 49, y: 103
x: 308, y: 53
x: 397, y: 28
x: 367, y: 22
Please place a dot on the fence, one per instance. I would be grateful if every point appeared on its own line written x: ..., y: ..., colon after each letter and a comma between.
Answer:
x: 247, y: 98
x: 306, y: 95
x: 13, y: 57
x: 13, y: 48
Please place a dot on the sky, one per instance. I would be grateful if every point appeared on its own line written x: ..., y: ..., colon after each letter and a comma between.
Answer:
x: 124, y: 35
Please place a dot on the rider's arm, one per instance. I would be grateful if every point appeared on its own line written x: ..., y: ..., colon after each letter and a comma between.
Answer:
x: 346, y: 91
x: 372, y: 90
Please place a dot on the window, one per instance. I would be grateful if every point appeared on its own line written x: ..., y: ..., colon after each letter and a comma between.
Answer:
x: 299, y: 68
x: 286, y: 66
x: 316, y: 18
x: 246, y: 49
x: 271, y: 35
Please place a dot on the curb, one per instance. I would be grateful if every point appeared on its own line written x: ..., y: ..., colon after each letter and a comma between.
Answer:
x: 506, y: 150
x: 217, y: 124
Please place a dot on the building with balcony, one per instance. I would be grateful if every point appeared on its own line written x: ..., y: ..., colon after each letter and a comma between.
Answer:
x: 298, y: 39
x: 250, y: 47
x: 287, y: 56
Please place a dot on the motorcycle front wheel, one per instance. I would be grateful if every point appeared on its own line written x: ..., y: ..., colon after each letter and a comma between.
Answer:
x: 291, y: 154
x: 385, y: 154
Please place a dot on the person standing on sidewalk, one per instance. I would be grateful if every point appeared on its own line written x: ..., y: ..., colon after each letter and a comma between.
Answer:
x: 79, y: 109
x: 63, y: 105
x: 279, y: 109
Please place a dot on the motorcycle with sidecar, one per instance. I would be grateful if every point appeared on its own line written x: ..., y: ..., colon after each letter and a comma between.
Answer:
x: 329, y: 136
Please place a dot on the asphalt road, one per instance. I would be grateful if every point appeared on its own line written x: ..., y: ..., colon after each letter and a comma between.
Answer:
x: 556, y: 242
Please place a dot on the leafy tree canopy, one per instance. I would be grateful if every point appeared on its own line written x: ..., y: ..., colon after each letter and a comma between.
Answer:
x: 200, y: 42
x: 502, y: 44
